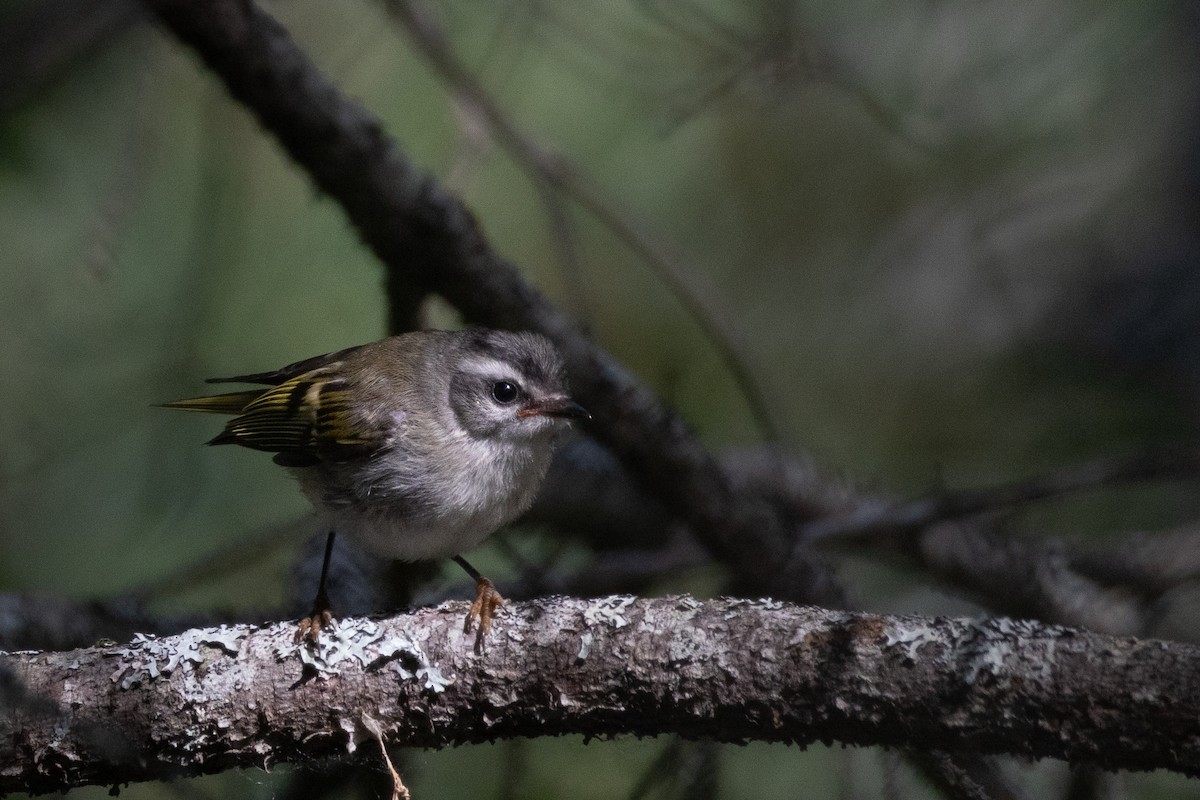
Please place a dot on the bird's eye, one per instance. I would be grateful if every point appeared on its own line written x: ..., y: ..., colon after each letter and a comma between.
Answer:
x: 504, y: 391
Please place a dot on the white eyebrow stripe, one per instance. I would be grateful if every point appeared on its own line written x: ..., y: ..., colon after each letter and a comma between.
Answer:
x: 490, y: 367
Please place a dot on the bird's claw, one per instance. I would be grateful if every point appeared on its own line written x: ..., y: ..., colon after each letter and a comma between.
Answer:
x: 319, y: 619
x: 487, y: 602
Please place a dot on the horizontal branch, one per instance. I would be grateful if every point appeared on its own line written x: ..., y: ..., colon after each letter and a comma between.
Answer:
x: 728, y: 670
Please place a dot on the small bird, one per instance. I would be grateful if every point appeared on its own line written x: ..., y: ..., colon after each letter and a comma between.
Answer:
x: 417, y: 446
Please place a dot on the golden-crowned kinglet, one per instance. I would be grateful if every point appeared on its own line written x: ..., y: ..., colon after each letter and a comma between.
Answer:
x: 417, y: 446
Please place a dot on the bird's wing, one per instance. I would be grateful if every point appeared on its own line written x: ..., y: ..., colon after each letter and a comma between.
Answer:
x: 304, y: 420
x: 283, y: 374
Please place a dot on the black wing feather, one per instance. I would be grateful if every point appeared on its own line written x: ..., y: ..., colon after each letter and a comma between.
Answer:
x: 284, y: 374
x: 304, y: 420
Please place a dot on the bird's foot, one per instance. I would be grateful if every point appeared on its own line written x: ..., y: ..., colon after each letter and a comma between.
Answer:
x: 487, y: 603
x: 319, y: 619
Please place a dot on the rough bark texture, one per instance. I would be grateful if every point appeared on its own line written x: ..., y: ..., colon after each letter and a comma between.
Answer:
x: 730, y: 670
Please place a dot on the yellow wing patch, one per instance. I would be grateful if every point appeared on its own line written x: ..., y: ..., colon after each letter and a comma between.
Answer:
x: 304, y: 420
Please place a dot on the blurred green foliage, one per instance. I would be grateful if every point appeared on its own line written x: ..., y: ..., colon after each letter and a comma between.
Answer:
x: 903, y: 208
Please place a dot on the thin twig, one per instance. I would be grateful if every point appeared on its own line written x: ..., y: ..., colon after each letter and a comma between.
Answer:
x: 399, y: 790
x: 913, y: 516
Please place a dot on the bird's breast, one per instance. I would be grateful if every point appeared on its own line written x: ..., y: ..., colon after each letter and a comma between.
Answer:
x: 414, y: 506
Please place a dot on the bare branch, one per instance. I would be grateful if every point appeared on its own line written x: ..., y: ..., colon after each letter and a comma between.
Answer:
x: 1151, y: 563
x: 1102, y: 473
x: 966, y: 777
x: 728, y: 670
x: 1025, y: 577
x: 1009, y: 575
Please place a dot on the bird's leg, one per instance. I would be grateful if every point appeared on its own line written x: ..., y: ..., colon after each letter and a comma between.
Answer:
x: 487, y: 602
x: 321, y: 616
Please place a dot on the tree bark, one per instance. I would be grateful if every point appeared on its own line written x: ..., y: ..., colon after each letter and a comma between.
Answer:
x: 730, y: 670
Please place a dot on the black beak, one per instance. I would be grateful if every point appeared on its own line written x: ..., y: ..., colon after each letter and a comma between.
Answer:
x: 563, y: 407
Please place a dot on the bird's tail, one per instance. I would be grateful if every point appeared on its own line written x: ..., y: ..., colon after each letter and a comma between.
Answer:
x: 230, y: 403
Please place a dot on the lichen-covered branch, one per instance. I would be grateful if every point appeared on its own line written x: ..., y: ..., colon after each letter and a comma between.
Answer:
x: 729, y: 670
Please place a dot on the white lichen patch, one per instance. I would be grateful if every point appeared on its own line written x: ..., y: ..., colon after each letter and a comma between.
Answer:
x: 347, y: 642
x: 609, y: 611
x: 1019, y: 628
x: 433, y: 680
x: 687, y: 645
x: 988, y: 644
x: 585, y: 646
x: 148, y: 658
x: 1031, y: 631
x: 910, y: 634
x: 736, y: 606
x: 359, y: 642
x: 989, y: 659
